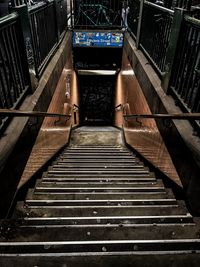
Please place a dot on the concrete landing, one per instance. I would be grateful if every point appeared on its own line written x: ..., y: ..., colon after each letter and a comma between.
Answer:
x: 86, y: 135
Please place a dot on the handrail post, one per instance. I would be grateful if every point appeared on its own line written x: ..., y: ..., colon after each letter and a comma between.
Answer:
x: 171, y: 50
x: 139, y: 24
x: 71, y: 13
x: 22, y: 10
x: 57, y: 19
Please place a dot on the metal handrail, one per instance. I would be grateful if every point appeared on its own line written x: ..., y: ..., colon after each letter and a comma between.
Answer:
x: 19, y: 113
x: 75, y: 106
x: 194, y: 21
x: 8, y: 19
x: 118, y: 106
x: 161, y: 8
x: 175, y: 116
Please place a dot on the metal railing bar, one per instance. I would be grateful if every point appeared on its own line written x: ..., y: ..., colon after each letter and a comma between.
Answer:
x: 192, y: 20
x: 19, y: 113
x: 118, y: 106
x: 9, y: 19
x: 175, y: 116
x: 161, y: 8
x: 38, y: 7
x: 76, y: 106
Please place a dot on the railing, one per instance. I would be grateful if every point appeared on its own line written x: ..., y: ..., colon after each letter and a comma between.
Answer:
x: 175, y: 116
x: 45, y: 23
x: 20, y: 113
x: 155, y: 33
x: 44, y: 33
x: 28, y: 39
x: 18, y: 2
x: 150, y: 25
x: 186, y: 4
x: 14, y: 76
x: 171, y: 4
x: 171, y: 41
x: 185, y: 81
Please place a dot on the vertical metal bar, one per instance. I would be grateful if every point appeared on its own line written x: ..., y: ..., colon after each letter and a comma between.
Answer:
x: 173, y: 41
x: 190, y: 95
x: 58, y: 18
x: 71, y: 14
x: 19, y: 70
x: 75, y: 117
x: 139, y: 24
x: 187, y: 57
x: 12, y: 80
x: 13, y: 63
x: 190, y: 70
x: 35, y: 43
x: 5, y: 75
x: 19, y: 56
x: 181, y: 58
x: 4, y: 87
x: 29, y: 70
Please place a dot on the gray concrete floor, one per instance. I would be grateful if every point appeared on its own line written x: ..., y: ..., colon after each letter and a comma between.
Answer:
x: 96, y: 136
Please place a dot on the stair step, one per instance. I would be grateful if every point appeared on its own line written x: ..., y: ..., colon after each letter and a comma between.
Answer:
x: 99, y: 195
x: 103, y: 232
x: 87, y: 211
x: 109, y: 220
x: 99, y: 160
x: 126, y: 185
x: 96, y: 184
x: 98, y: 180
x: 98, y: 176
x: 104, y: 172
x: 97, y: 153
x: 104, y: 167
x: 96, y: 246
x: 99, y: 164
x: 99, y: 202
x: 184, y: 257
x: 96, y: 156
x: 79, y: 147
x: 95, y: 190
x: 99, y: 206
x: 101, y: 187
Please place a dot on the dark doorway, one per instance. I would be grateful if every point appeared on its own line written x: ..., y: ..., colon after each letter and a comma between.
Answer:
x: 96, y: 93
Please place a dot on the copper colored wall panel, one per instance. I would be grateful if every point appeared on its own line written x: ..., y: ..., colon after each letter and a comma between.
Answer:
x: 54, y: 134
x: 142, y: 135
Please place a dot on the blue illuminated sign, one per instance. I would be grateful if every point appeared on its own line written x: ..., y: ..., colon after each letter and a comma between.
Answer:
x: 98, y: 39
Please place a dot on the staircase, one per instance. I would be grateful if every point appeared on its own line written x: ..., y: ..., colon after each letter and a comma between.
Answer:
x: 98, y: 205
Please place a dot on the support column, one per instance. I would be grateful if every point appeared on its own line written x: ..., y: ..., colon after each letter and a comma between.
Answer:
x: 26, y: 31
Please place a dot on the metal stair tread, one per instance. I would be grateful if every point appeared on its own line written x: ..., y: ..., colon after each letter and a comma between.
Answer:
x: 86, y: 211
x: 123, y: 196
x: 102, y: 232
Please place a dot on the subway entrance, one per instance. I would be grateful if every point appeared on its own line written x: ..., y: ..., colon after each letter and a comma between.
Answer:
x: 96, y: 99
x: 97, y: 59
